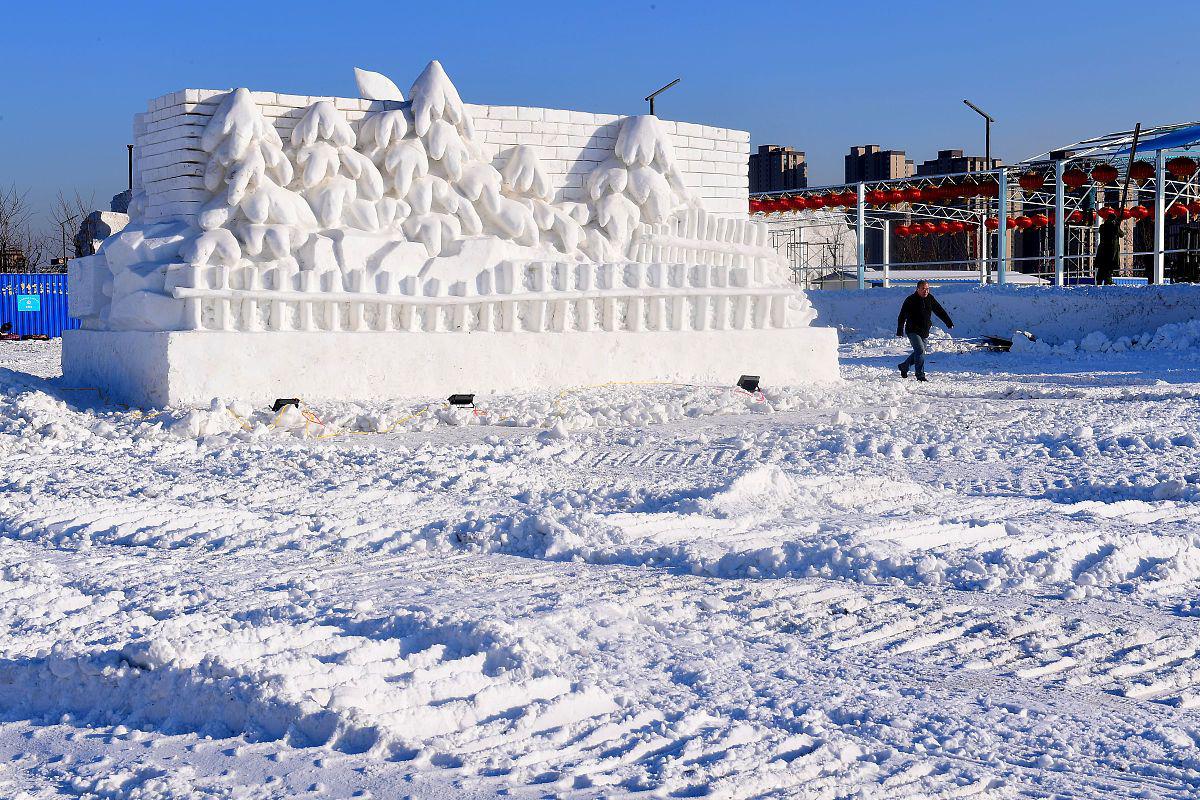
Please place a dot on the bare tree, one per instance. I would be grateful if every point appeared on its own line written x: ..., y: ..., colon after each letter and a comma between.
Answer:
x: 67, y: 215
x: 20, y: 244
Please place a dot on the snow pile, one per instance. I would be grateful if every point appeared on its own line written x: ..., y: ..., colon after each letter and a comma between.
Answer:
x: 1055, y: 315
x: 1178, y: 337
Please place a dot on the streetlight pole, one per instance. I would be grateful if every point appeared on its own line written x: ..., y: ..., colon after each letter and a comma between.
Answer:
x: 62, y: 226
x: 987, y: 131
x: 650, y: 97
x: 987, y: 155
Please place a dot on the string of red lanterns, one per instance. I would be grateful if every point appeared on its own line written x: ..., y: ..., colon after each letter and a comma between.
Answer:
x: 875, y: 197
x: 1179, y: 168
x: 929, y: 227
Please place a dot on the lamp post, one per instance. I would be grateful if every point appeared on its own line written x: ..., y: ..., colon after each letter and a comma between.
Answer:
x: 987, y: 155
x: 62, y: 226
x: 987, y: 131
x: 650, y: 97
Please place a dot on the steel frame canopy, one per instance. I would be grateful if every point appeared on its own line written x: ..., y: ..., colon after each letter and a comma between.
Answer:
x: 1067, y: 206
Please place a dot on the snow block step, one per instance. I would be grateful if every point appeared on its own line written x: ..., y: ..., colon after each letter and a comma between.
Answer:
x: 155, y: 369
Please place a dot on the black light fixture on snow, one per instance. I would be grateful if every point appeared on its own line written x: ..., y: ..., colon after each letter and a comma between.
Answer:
x: 748, y: 383
x: 282, y: 402
x: 461, y: 400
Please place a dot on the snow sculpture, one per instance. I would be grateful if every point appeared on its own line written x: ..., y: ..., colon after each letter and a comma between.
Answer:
x: 374, y: 86
x: 326, y: 223
x: 640, y: 183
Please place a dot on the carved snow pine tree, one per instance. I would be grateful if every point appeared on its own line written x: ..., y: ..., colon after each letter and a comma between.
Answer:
x: 252, y: 212
x: 525, y: 180
x: 342, y: 185
x: 461, y: 190
x: 640, y: 183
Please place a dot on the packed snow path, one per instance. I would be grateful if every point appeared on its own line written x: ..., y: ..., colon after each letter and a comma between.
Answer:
x: 981, y: 586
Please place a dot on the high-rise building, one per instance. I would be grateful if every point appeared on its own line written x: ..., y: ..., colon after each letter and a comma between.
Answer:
x: 949, y: 162
x: 777, y: 168
x: 868, y: 163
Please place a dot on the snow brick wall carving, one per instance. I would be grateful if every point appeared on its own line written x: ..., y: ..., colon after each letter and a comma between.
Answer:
x: 387, y: 214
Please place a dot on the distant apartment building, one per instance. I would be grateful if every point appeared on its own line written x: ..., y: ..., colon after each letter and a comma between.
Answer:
x: 869, y: 163
x: 776, y: 168
x: 949, y: 162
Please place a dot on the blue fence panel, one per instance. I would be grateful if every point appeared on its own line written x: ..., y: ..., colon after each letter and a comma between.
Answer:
x: 35, y: 304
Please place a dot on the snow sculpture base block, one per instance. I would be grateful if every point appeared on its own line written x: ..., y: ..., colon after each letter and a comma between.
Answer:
x: 154, y: 369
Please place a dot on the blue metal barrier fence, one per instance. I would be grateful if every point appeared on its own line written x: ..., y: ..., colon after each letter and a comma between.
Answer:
x: 35, y: 303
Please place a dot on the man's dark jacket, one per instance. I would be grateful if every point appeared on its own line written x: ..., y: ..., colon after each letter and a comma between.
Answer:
x: 917, y: 314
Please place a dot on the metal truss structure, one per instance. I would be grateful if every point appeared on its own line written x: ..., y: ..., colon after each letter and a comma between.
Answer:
x: 1049, y: 193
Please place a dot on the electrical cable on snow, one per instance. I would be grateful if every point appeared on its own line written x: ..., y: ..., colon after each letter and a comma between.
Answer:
x: 312, y: 419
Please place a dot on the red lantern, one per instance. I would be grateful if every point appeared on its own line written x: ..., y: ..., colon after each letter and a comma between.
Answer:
x: 1075, y: 216
x: 928, y: 227
x: 1107, y: 213
x: 903, y: 231
x: 931, y: 194
x: 896, y: 196
x: 877, y: 197
x: 816, y: 201
x: 1104, y: 173
x: 755, y: 206
x: 1194, y: 207
x: 1074, y: 178
x: 1040, y: 220
x: 943, y: 227
x: 989, y: 189
x: 1031, y: 181
x: 1139, y: 212
x: 1181, y: 168
x: 1141, y: 171
x: 912, y: 195
x: 957, y: 227
x: 1177, y: 210
x: 991, y: 223
x: 1024, y: 223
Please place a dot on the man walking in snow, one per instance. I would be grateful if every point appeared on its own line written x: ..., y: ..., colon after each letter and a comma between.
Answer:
x: 916, y: 317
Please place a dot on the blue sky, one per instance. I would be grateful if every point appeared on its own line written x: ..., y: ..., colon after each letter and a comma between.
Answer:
x: 819, y: 76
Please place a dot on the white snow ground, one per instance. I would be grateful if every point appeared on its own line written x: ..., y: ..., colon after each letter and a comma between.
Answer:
x: 981, y: 586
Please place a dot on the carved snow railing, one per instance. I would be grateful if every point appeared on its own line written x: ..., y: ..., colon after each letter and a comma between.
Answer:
x: 697, y: 237
x: 525, y: 297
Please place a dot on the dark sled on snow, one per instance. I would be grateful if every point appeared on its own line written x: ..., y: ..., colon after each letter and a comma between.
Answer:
x: 995, y: 344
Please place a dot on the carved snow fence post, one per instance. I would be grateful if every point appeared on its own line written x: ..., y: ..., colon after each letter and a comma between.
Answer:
x: 358, y: 248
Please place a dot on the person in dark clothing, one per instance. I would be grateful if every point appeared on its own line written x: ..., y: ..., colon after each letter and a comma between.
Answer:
x: 915, y: 320
x: 1108, y: 251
